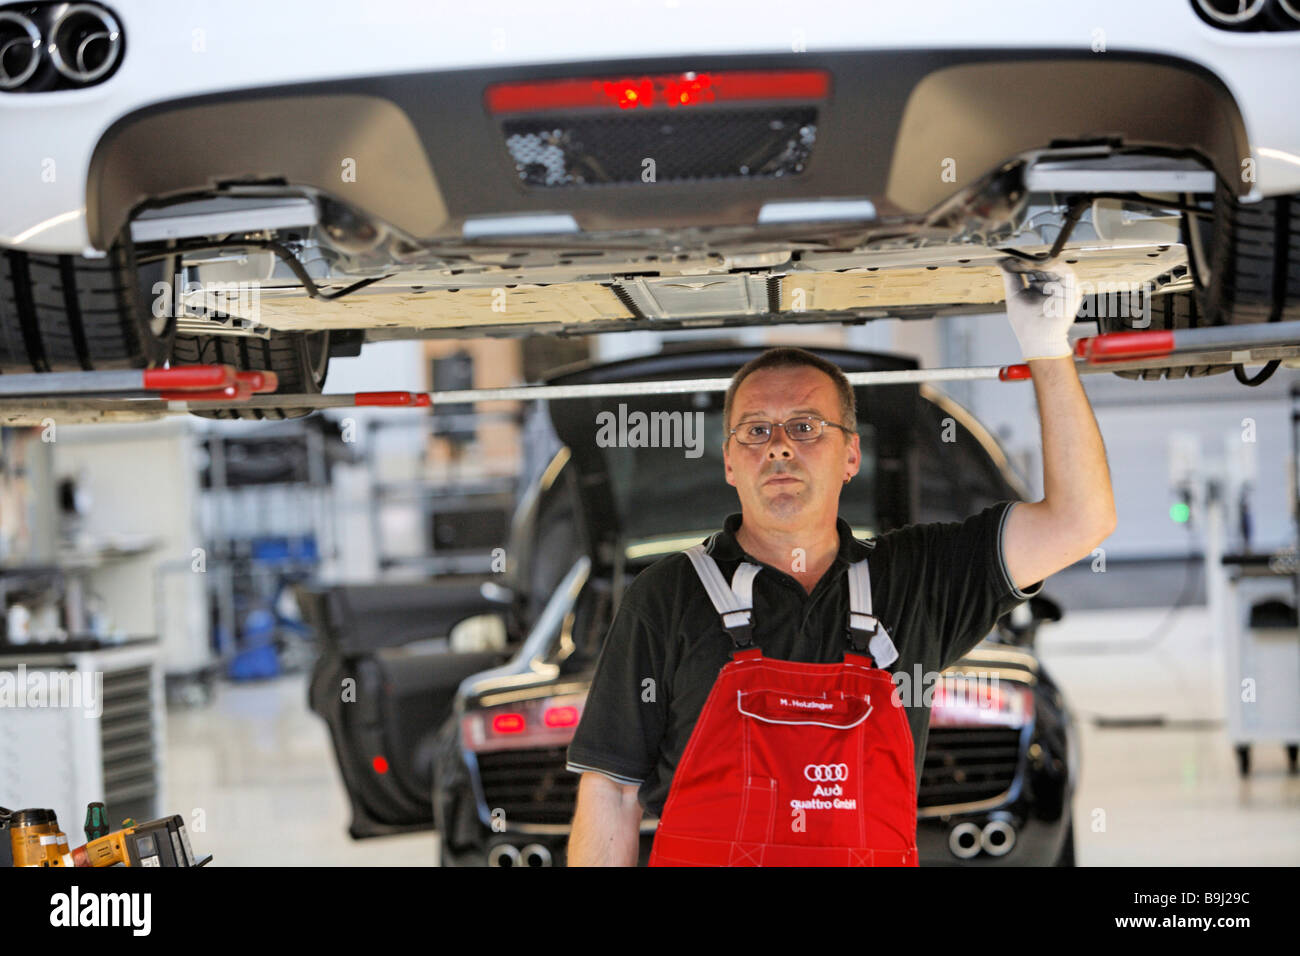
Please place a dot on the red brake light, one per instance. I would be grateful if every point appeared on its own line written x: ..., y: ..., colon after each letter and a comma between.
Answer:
x: 686, y: 92
x: 661, y: 90
x: 560, y: 716
x: 969, y: 702
x: 508, y: 723
x: 629, y: 94
x: 536, y: 722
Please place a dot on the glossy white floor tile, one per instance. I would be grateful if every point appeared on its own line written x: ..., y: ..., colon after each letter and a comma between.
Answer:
x: 256, y: 769
x: 1171, y: 795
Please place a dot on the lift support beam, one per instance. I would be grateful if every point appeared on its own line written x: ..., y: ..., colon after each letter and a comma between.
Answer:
x: 134, y: 395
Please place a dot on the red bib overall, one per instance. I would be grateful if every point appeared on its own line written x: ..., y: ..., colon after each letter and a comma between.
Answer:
x: 794, y: 764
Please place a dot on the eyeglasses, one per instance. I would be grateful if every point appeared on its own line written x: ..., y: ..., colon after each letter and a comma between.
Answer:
x: 797, y: 429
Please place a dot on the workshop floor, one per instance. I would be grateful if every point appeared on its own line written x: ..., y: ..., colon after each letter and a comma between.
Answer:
x: 261, y: 769
x: 1164, y: 795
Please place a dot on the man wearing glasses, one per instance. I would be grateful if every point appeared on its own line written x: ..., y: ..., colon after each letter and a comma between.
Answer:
x: 742, y: 693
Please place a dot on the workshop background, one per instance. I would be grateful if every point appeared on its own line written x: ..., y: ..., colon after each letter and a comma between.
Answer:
x: 168, y: 555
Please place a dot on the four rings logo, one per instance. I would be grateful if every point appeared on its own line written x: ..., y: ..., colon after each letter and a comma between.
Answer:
x: 819, y: 772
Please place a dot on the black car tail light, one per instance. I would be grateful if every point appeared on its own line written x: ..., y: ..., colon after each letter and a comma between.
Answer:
x: 541, y: 722
x: 980, y: 702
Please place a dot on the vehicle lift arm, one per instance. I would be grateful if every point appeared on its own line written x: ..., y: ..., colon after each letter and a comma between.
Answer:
x: 149, y: 393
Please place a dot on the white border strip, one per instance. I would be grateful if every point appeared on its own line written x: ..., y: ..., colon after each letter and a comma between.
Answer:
x: 797, y: 723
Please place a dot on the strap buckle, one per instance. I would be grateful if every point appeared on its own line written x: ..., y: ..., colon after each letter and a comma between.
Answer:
x: 739, y: 628
x: 862, y: 628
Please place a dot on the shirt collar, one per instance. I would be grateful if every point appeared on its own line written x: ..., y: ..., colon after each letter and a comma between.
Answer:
x: 723, y: 546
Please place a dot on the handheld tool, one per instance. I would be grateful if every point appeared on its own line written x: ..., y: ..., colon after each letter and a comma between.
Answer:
x: 161, y: 842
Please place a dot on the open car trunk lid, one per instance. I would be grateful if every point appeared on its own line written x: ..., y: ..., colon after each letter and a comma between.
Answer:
x: 639, y: 499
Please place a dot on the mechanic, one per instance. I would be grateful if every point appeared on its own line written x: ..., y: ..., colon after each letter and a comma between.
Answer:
x: 744, y: 691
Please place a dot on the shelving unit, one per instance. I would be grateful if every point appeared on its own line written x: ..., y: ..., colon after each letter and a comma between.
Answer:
x: 463, y: 514
x: 266, y: 515
x: 65, y: 757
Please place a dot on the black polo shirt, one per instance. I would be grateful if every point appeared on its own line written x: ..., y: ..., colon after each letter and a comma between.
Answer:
x: 938, y: 589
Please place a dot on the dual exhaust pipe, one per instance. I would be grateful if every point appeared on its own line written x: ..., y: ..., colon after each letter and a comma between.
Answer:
x: 55, y: 46
x: 1251, y: 14
x: 965, y: 840
x: 968, y: 840
x: 504, y: 854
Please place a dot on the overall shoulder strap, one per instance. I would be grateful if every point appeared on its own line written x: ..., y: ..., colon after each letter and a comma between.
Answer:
x: 865, y: 629
x: 734, y: 602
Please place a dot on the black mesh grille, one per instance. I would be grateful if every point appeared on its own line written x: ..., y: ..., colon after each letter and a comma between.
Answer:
x: 966, y: 764
x: 531, y: 786
x: 721, y: 144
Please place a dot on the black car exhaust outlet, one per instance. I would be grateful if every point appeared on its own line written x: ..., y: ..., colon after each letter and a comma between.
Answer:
x: 965, y: 840
x: 998, y: 837
x: 20, y: 49
x: 1234, y: 14
x: 535, y: 854
x: 347, y: 230
x: 85, y: 42
x: 503, y: 854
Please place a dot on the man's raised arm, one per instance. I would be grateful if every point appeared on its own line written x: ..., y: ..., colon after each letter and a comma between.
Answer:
x: 1078, y: 508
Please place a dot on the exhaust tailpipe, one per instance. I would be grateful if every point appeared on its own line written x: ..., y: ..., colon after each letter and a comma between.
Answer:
x: 1231, y: 14
x: 503, y: 854
x: 964, y: 840
x: 85, y: 43
x: 20, y: 49
x: 998, y: 837
x: 535, y: 854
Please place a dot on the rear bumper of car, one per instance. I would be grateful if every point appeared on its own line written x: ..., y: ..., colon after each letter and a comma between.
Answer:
x: 1016, y: 834
x: 1026, y: 826
x: 1037, y: 842
x: 361, y: 108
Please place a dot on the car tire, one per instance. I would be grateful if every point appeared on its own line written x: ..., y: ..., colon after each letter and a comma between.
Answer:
x: 1173, y: 310
x: 64, y: 313
x: 300, y: 361
x: 1245, y: 259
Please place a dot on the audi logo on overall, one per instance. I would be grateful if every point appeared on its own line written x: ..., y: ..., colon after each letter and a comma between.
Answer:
x: 823, y: 774
x: 816, y: 772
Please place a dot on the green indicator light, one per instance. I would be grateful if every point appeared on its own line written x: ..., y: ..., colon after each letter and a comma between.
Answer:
x: 1180, y: 512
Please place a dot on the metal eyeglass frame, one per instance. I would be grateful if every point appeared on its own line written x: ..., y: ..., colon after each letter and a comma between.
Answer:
x: 775, y: 425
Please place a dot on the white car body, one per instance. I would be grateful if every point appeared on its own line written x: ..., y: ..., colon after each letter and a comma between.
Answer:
x: 194, y: 49
x: 348, y: 162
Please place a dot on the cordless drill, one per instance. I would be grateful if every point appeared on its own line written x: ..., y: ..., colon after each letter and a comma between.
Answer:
x: 161, y: 842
